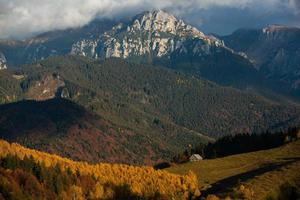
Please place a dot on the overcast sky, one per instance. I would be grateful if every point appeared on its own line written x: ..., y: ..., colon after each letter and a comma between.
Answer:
x: 23, y: 18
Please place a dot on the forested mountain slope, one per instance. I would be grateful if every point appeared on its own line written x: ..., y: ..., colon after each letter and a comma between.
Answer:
x: 124, y: 89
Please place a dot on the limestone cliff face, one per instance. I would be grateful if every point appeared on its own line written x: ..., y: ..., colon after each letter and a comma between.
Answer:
x: 2, y: 61
x: 155, y: 33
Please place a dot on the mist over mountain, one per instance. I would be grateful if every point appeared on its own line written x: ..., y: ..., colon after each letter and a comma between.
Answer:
x: 23, y: 19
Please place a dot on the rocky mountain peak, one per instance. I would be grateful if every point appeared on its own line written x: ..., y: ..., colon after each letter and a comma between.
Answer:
x: 156, y: 15
x: 155, y: 20
x: 162, y: 21
x: 153, y: 33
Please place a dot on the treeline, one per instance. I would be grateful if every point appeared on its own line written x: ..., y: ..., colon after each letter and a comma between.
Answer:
x: 240, y: 143
x: 30, y: 174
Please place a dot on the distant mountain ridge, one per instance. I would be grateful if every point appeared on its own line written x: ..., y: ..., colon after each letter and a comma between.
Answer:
x: 275, y: 52
x: 53, y: 43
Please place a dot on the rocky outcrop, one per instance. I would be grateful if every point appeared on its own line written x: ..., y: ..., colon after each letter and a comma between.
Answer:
x: 46, y: 88
x: 2, y: 61
x: 85, y: 48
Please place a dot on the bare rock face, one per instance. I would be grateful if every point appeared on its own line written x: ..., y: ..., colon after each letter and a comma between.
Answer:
x: 46, y: 88
x: 2, y: 61
x: 155, y: 33
x: 85, y: 48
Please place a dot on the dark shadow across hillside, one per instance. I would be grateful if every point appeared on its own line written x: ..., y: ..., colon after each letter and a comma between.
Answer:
x: 52, y: 116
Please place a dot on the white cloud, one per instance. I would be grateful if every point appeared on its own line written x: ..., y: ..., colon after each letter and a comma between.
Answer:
x: 21, y: 18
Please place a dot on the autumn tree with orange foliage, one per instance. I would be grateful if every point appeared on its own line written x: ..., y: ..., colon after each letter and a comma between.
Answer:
x: 101, y: 181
